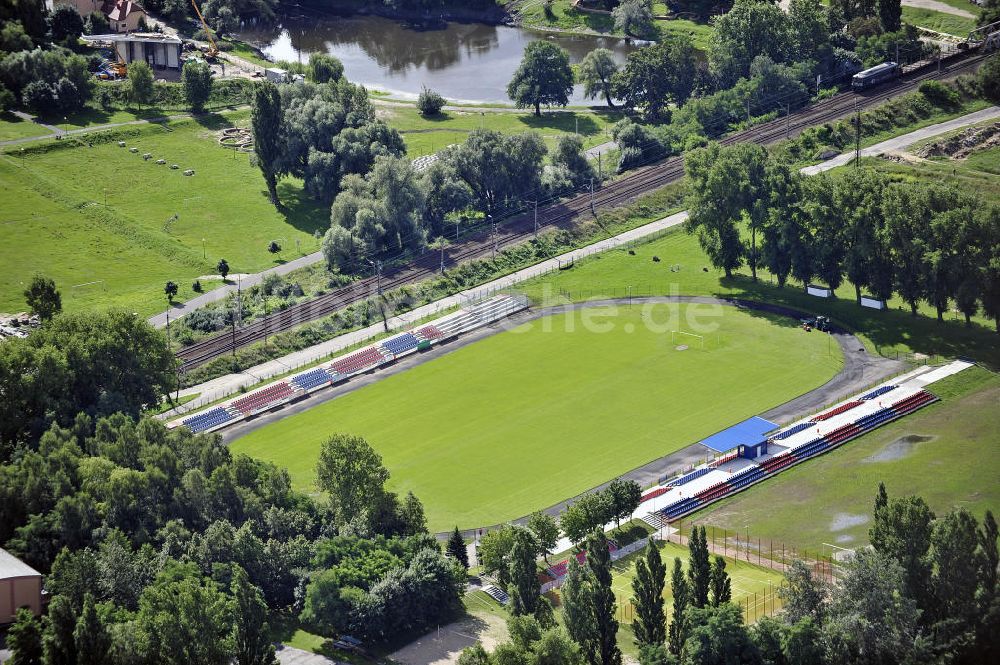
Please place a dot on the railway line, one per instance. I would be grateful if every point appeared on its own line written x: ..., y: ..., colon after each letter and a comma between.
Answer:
x: 561, y: 214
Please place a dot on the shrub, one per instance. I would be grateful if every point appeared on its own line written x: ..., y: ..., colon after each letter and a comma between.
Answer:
x: 38, y: 97
x: 989, y: 78
x: 205, y: 320
x: 196, y: 287
x: 430, y: 102
x: 939, y: 94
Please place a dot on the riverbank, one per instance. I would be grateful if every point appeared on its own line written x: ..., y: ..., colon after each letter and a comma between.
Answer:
x: 493, y: 14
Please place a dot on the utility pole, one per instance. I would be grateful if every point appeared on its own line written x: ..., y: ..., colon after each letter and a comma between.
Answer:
x: 496, y: 237
x: 857, y: 135
x: 593, y: 211
x: 535, y: 203
x: 377, y: 267
x: 600, y: 171
x: 788, y: 119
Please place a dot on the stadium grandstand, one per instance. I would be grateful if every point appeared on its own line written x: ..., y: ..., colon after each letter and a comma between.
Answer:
x: 364, y: 360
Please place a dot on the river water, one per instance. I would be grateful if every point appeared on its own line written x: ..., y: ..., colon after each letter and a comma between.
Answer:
x: 470, y: 62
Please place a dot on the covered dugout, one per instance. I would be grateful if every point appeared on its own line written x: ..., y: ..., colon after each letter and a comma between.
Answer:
x: 20, y: 586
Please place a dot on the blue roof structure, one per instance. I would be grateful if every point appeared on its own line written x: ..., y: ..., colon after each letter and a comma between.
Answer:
x: 749, y: 431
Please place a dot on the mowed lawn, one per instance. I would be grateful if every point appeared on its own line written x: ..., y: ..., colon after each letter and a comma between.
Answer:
x: 948, y: 453
x: 529, y: 417
x: 100, y: 213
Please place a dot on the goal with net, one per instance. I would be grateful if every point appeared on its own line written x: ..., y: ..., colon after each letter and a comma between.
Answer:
x: 680, y: 336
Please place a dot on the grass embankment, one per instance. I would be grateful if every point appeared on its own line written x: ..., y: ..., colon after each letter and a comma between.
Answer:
x: 427, y: 135
x: 155, y: 223
x: 564, y: 18
x: 13, y: 127
x: 946, y: 453
x: 950, y: 24
x: 529, y: 417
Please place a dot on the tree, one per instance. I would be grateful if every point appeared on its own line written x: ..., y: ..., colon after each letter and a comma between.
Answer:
x: 250, y: 629
x: 351, y: 473
x: 700, y: 568
x: 265, y: 121
x: 624, y: 497
x: 596, y: 71
x: 902, y: 532
x: 196, y: 77
x: 721, y: 586
x: 456, y: 548
x: 750, y: 29
x: 58, y: 642
x: 803, y: 644
x: 546, y: 532
x: 497, y: 167
x: 494, y: 552
x: 578, y: 608
x: 24, y: 639
x: 955, y: 561
x: 571, y: 160
x: 544, y: 77
x: 429, y: 102
x: 91, y: 636
x: 140, y: 82
x: 606, y: 634
x: 171, y: 290
x: 590, y: 512
x: 324, y: 68
x: 890, y: 14
x: 802, y: 595
x: 223, y: 268
x: 42, y: 297
x: 186, y: 619
x: 990, y: 557
x: 655, y: 76
x: 718, y: 635
x: 66, y: 25
x: 524, y: 590
x: 681, y: 592
x: 711, y: 215
x: 634, y: 17
x: 274, y: 247
x: 647, y: 586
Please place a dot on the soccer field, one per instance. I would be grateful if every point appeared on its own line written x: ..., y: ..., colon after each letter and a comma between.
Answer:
x: 529, y: 417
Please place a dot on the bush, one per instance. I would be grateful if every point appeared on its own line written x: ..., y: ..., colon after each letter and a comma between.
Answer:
x: 324, y: 68
x: 939, y: 94
x: 430, y: 102
x: 205, y: 320
x: 38, y: 97
x: 989, y: 79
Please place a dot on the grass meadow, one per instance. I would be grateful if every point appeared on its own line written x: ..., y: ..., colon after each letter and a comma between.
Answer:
x: 947, y: 453
x: 86, y: 211
x: 529, y: 417
x: 427, y: 135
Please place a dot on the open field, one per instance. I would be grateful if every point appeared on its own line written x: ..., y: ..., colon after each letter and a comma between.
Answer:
x: 939, y: 21
x: 529, y: 417
x: 565, y: 18
x: 424, y: 136
x: 156, y: 224
x: 685, y: 270
x: 946, y: 453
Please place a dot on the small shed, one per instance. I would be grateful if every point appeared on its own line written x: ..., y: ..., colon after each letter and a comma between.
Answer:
x: 20, y: 586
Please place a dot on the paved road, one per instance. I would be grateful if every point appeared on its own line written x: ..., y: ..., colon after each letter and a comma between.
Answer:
x: 291, y: 656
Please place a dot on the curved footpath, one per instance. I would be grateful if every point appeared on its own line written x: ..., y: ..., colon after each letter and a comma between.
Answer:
x: 860, y: 371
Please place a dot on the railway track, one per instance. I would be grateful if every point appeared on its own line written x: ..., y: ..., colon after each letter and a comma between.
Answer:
x: 561, y: 214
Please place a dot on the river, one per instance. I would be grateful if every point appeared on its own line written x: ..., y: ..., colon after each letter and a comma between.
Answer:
x: 470, y: 62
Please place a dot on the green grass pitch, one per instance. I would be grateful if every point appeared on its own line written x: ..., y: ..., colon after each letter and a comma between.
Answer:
x: 526, y: 418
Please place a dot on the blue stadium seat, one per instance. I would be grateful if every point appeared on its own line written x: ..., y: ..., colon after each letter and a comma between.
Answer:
x: 793, y: 430
x: 878, y: 392
x: 697, y: 473
x: 312, y: 379
x: 207, y: 420
x: 403, y: 343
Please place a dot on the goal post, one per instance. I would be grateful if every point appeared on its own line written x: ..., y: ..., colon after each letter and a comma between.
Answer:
x: 676, y: 335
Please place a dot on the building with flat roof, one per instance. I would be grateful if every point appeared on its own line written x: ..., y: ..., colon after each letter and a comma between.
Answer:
x: 159, y: 51
x: 20, y: 586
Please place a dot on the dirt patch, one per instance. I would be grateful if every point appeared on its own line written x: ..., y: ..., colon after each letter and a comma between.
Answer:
x: 844, y: 521
x: 897, y: 449
x: 964, y: 143
x: 441, y: 647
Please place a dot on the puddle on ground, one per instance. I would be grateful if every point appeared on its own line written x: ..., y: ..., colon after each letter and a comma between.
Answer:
x: 844, y: 539
x: 898, y: 449
x: 842, y: 521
